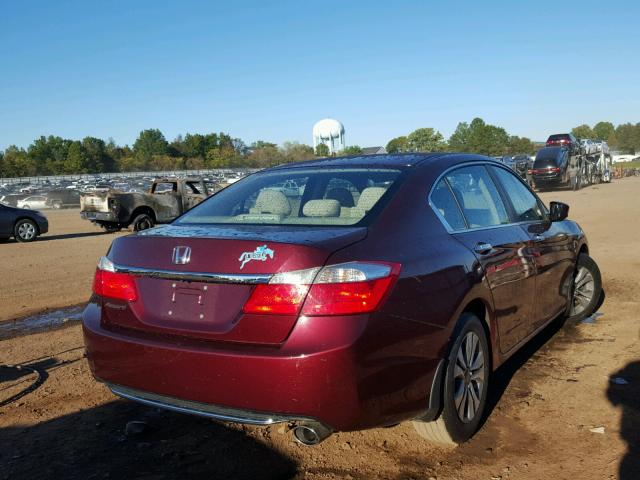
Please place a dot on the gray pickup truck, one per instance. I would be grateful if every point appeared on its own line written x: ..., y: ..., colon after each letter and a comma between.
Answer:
x: 167, y: 199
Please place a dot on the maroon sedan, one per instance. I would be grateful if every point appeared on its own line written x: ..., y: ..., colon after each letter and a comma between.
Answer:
x: 339, y: 294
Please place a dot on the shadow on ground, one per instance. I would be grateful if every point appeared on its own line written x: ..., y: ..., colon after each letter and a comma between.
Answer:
x: 627, y: 396
x: 92, y: 444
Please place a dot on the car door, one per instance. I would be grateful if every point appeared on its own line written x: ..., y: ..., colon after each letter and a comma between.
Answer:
x: 551, y: 246
x: 501, y: 249
x: 6, y: 221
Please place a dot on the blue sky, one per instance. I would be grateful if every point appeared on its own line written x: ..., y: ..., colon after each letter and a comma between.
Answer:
x: 269, y: 69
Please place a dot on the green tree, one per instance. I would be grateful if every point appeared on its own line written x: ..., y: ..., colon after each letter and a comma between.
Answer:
x: 426, y: 140
x: 76, y: 161
x: 322, y: 150
x: 479, y: 137
x: 150, y: 142
x: 17, y: 163
x: 520, y: 145
x: 296, y: 152
x: 583, y: 131
x: 398, y: 145
x: 603, y: 130
x: 98, y: 158
x: 264, y: 154
x: 352, y: 150
x: 628, y: 137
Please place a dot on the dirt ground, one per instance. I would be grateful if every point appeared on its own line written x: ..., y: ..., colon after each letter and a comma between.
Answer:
x: 54, y: 271
x: 555, y: 411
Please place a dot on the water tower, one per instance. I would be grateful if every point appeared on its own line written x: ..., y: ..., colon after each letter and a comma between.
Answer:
x: 331, y: 133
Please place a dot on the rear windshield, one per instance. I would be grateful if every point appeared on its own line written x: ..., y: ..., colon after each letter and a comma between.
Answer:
x: 548, y: 154
x: 560, y: 136
x: 320, y: 196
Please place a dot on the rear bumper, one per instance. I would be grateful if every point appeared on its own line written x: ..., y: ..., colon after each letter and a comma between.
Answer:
x: 319, y: 374
x: 99, y: 216
x: 547, y: 178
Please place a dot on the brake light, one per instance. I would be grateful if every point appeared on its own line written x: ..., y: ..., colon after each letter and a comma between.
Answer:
x: 109, y: 283
x: 343, y: 289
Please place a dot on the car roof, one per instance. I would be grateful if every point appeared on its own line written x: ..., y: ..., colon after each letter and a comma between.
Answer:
x: 389, y: 160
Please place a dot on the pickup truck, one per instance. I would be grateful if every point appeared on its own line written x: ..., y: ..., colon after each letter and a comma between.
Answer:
x: 167, y: 199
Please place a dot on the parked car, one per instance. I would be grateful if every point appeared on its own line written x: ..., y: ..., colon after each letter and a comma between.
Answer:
x: 260, y: 308
x: 31, y: 202
x: 589, y: 147
x: 22, y: 224
x: 63, y: 198
x: 601, y: 147
x: 565, y: 140
x: 556, y: 166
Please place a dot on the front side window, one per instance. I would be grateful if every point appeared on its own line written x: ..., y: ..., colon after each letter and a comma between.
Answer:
x: 297, y: 196
x: 478, y: 197
x: 525, y: 205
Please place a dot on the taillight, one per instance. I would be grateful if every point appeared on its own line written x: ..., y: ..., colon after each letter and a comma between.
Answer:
x: 554, y: 169
x: 111, y: 284
x: 343, y: 289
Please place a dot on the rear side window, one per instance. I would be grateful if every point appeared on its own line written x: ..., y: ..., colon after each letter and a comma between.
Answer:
x: 445, y: 204
x: 297, y: 196
x: 478, y: 197
x: 525, y: 205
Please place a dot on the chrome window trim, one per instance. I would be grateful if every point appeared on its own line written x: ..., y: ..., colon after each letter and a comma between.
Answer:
x: 475, y: 229
x: 204, y: 277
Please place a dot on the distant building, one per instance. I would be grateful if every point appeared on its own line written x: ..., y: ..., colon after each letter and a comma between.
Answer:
x: 373, y: 150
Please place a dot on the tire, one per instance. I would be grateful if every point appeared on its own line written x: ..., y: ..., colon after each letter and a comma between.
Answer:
x: 452, y: 427
x: 110, y: 227
x: 25, y: 230
x: 142, y: 222
x: 26, y: 207
x: 585, y: 290
x: 56, y: 205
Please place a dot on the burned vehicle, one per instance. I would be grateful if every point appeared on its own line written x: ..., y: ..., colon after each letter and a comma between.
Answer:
x: 167, y: 199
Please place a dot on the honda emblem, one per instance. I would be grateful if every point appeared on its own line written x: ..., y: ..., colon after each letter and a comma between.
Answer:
x: 181, y: 255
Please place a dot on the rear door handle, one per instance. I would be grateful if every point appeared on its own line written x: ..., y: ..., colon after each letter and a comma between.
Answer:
x: 482, y: 247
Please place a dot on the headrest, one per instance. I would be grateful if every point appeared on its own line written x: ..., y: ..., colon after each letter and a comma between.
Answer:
x: 272, y: 201
x: 321, y: 208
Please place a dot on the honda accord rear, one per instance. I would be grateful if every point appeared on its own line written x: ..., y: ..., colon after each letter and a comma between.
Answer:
x: 342, y: 304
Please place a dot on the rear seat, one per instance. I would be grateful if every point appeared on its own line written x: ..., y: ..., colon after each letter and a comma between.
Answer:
x: 368, y: 198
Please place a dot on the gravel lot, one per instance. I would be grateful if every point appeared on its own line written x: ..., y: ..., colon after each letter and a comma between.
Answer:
x: 556, y: 413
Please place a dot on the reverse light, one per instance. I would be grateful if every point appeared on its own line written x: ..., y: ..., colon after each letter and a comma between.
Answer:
x: 343, y: 289
x: 109, y: 283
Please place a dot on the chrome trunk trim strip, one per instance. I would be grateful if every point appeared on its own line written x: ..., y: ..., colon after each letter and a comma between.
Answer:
x: 194, y: 276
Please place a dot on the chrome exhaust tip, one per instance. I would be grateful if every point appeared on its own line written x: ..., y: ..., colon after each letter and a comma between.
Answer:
x: 311, y: 433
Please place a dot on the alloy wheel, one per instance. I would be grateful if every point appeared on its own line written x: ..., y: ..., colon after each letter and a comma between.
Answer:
x: 469, y: 377
x: 27, y: 231
x: 583, y: 289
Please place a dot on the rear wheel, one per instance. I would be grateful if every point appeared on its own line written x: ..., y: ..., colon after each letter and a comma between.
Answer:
x: 586, y: 288
x: 142, y: 222
x: 57, y: 205
x: 465, y: 387
x: 25, y: 230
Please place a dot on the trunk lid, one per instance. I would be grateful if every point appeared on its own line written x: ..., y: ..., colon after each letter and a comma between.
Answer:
x: 211, y: 308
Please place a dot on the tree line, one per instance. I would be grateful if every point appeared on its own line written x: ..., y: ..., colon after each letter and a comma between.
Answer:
x: 486, y: 139
x: 151, y: 151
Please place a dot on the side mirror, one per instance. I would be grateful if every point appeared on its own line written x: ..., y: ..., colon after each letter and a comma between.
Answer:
x: 558, y: 211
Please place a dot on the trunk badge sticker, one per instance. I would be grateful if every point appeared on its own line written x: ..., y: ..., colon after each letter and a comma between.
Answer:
x: 260, y: 253
x: 181, y: 255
